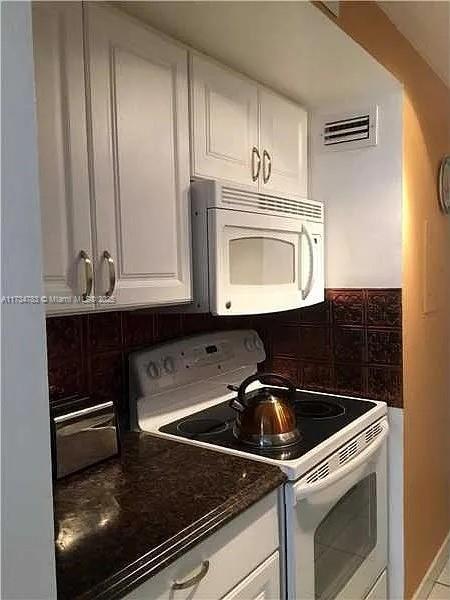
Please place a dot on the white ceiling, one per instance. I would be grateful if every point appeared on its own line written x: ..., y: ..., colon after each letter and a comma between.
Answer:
x: 426, y: 24
x: 291, y: 47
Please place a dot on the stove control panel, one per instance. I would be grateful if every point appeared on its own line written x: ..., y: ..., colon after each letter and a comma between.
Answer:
x: 193, y: 359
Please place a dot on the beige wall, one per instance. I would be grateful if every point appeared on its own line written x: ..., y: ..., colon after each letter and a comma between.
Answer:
x: 426, y: 354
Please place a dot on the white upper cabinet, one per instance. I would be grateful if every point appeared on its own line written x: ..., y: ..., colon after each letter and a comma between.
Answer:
x: 245, y: 134
x: 63, y: 159
x: 224, y: 123
x: 115, y: 156
x: 283, y: 143
x: 140, y: 161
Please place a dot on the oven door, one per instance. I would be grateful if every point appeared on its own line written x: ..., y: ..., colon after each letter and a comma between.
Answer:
x: 337, y: 525
x: 257, y: 262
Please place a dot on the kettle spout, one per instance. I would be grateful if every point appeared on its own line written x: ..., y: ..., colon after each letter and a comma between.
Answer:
x: 237, y: 405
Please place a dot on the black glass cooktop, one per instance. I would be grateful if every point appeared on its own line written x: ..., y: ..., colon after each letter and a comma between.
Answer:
x: 318, y: 418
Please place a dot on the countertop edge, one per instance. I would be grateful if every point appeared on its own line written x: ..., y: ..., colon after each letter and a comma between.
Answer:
x: 157, y: 560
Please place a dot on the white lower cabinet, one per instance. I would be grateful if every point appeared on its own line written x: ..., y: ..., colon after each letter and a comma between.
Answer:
x: 262, y: 584
x: 240, y: 561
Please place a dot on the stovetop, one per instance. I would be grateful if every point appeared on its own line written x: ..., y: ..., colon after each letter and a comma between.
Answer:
x: 318, y: 418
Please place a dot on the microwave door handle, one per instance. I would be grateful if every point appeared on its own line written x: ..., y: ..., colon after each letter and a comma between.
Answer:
x: 303, y: 490
x: 307, y: 290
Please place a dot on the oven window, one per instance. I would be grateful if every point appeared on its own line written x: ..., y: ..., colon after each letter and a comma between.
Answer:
x: 261, y: 261
x: 345, y: 538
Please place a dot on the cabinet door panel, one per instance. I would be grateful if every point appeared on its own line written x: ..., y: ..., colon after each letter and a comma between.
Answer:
x: 224, y: 123
x: 62, y: 140
x: 262, y: 584
x: 284, y: 138
x: 139, y: 95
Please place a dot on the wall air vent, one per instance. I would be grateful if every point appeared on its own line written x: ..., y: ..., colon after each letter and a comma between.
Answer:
x: 350, y: 131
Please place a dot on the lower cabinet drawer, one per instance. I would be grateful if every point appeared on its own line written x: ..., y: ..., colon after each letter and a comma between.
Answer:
x: 223, y: 562
x: 262, y: 584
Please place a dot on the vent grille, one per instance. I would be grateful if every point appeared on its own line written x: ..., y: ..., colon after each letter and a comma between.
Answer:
x: 348, y: 452
x: 348, y: 131
x: 373, y: 432
x: 306, y: 209
x: 319, y: 473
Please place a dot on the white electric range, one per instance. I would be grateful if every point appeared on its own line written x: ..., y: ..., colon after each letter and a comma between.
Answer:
x: 335, y: 499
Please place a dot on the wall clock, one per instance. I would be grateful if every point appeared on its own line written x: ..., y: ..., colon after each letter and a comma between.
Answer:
x: 444, y: 184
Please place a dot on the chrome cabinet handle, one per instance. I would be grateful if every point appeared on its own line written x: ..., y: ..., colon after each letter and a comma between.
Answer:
x: 268, y: 173
x: 112, y: 273
x: 307, y: 290
x: 183, y: 585
x: 255, y: 152
x: 88, y: 274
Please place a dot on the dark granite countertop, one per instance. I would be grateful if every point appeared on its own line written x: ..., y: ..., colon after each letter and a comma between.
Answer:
x: 122, y: 521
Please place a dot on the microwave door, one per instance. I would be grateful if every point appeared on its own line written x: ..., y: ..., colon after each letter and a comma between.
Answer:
x: 255, y: 262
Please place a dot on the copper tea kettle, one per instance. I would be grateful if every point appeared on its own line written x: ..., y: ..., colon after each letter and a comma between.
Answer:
x: 266, y: 416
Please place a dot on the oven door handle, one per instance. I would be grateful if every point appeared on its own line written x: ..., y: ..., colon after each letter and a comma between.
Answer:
x: 303, y: 490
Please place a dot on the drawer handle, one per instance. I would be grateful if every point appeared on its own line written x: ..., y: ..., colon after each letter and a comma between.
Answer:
x: 184, y: 585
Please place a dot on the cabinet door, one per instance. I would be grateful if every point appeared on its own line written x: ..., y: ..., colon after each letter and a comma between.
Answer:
x: 63, y: 162
x: 283, y: 145
x: 140, y: 160
x: 262, y: 584
x: 224, y: 123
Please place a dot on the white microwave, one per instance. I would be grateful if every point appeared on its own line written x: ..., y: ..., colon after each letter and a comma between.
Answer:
x: 254, y: 253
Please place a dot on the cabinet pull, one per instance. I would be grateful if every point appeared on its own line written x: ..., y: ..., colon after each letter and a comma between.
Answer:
x: 88, y: 274
x: 255, y: 174
x: 268, y: 173
x: 183, y: 585
x: 112, y: 273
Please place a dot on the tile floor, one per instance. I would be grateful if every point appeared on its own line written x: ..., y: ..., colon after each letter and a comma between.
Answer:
x: 441, y: 587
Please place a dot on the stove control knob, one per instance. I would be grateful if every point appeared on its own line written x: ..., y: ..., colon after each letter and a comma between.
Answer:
x: 169, y: 365
x: 249, y: 344
x: 152, y: 370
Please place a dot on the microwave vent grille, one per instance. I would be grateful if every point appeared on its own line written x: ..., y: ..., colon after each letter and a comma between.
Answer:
x: 350, y: 131
x: 242, y: 199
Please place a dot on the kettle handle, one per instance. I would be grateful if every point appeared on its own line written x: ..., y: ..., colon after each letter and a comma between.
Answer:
x: 262, y: 377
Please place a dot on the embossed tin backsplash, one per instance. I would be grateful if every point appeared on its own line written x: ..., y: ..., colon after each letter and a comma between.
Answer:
x: 349, y: 344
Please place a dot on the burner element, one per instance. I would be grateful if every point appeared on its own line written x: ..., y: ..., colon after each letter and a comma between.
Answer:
x: 318, y: 409
x: 201, y: 427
